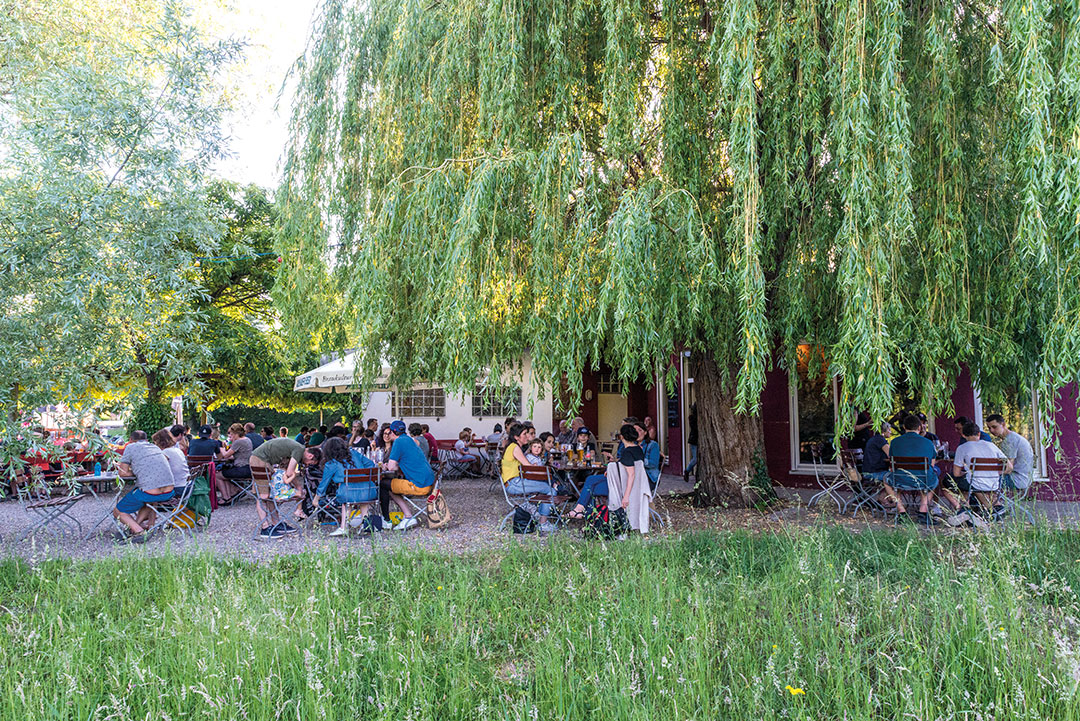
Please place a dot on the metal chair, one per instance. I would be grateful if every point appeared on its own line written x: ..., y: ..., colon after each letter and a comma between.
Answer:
x: 521, y: 500
x: 367, y: 479
x: 830, y: 485
x: 167, y: 511
x: 53, y: 514
x: 420, y: 511
x: 914, y: 467
x: 996, y: 465
x: 864, y: 490
x: 260, y: 477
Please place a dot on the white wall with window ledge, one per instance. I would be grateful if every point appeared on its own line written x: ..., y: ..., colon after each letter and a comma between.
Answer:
x: 447, y: 413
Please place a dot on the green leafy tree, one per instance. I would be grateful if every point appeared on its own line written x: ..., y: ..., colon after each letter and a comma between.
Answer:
x: 897, y: 183
x: 110, y: 122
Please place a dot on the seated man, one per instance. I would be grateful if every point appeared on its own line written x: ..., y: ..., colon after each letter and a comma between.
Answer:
x: 275, y: 453
x: 418, y: 478
x: 1016, y: 449
x: 912, y: 445
x: 984, y: 484
x: 154, y: 482
x: 959, y: 422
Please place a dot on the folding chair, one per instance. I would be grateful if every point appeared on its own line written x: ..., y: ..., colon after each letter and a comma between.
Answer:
x: 491, y: 450
x: 457, y: 466
x: 521, y: 500
x: 53, y: 514
x: 368, y: 480
x: 420, y: 511
x: 608, y: 447
x: 912, y: 467
x: 167, y: 511
x: 244, y: 487
x: 996, y: 465
x: 260, y: 477
x: 655, y: 495
x: 328, y: 512
x: 830, y: 484
x: 864, y: 491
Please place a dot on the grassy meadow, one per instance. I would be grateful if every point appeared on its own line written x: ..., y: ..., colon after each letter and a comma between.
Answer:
x: 818, y: 625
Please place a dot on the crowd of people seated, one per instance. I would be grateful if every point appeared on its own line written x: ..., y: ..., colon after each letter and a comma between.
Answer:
x: 948, y: 483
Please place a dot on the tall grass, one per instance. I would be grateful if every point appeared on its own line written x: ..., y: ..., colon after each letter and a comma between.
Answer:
x: 823, y: 624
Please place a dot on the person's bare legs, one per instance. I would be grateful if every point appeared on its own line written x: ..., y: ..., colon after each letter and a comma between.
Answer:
x: 406, y: 509
x: 890, y: 492
x: 128, y: 521
x: 924, y: 501
x: 145, y: 517
x: 950, y: 498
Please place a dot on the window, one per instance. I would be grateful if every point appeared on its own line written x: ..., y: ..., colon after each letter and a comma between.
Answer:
x: 419, y: 403
x: 609, y: 383
x: 496, y: 403
x: 813, y: 410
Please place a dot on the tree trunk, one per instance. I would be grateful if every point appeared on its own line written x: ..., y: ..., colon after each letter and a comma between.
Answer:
x: 729, y: 444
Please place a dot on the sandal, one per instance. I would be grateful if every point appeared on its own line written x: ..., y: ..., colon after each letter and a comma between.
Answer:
x: 575, y: 515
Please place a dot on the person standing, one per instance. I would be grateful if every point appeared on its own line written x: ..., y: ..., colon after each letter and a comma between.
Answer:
x: 691, y: 441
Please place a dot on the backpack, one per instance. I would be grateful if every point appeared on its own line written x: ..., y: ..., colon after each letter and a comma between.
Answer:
x: 438, y: 513
x: 605, y: 524
x: 523, y: 521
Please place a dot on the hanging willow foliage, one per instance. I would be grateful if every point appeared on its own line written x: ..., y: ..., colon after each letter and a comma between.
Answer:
x: 895, y: 182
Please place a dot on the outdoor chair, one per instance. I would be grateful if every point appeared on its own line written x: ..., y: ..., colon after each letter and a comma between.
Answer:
x: 264, y: 500
x: 51, y: 513
x: 996, y: 465
x: 865, y: 491
x: 524, y: 500
x: 328, y: 512
x: 420, y: 512
x: 368, y: 481
x: 913, y: 467
x: 829, y: 479
x: 454, y: 466
x: 494, y: 459
x: 656, y: 495
x: 167, y: 511
x: 608, y: 447
x: 244, y: 487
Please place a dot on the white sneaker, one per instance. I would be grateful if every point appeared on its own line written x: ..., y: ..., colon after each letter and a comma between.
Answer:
x: 339, y: 531
x: 958, y: 520
x: 406, y: 523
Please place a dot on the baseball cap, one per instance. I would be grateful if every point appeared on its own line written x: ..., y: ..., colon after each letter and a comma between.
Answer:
x: 583, y: 430
x: 205, y: 431
x: 398, y: 428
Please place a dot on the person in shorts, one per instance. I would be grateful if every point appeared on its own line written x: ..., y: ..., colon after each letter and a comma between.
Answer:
x: 912, y: 445
x: 154, y: 482
x: 416, y: 477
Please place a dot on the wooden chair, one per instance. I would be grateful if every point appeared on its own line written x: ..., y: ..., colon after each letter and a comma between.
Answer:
x: 520, y: 500
x: 996, y: 465
x: 260, y: 477
x: 368, y: 480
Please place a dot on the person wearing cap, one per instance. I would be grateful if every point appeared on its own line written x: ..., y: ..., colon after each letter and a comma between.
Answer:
x: 417, y: 476
x: 204, y: 445
x: 583, y: 441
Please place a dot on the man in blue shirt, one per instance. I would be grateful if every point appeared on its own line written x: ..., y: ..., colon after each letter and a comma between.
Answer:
x: 912, y: 445
x: 406, y: 457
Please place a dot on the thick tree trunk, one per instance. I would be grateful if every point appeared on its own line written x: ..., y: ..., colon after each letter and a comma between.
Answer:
x: 729, y: 443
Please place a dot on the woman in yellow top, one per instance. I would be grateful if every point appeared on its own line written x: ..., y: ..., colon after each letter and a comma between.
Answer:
x: 512, y: 460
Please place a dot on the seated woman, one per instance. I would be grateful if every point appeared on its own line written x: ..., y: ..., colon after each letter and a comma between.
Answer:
x: 597, y: 485
x: 513, y: 459
x: 238, y: 463
x: 163, y: 439
x: 336, y: 457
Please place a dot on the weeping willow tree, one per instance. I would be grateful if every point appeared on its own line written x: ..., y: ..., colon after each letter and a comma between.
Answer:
x: 895, y: 182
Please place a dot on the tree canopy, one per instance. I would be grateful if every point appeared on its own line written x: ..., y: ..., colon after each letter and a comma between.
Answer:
x: 896, y: 182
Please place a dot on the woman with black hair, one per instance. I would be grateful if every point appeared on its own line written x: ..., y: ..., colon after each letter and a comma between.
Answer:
x: 336, y: 457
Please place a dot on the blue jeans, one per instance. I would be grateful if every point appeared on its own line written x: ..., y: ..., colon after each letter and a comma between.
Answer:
x: 594, y: 486
x: 693, y: 461
x: 519, y: 487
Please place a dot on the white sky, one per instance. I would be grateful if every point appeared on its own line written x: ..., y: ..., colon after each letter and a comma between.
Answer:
x: 276, y: 32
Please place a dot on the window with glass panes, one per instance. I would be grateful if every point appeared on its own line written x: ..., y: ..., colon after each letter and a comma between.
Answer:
x: 419, y: 403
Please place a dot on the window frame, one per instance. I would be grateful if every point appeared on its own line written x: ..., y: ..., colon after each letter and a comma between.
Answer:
x: 796, y: 464
x: 438, y: 404
x: 485, y: 396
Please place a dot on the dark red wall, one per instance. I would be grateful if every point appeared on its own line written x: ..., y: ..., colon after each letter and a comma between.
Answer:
x: 963, y: 399
x: 1064, y: 472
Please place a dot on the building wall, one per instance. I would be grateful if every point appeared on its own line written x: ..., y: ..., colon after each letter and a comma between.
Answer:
x: 1063, y: 469
x: 536, y: 405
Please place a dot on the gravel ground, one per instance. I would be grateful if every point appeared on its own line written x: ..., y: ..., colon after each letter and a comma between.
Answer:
x: 476, y: 513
